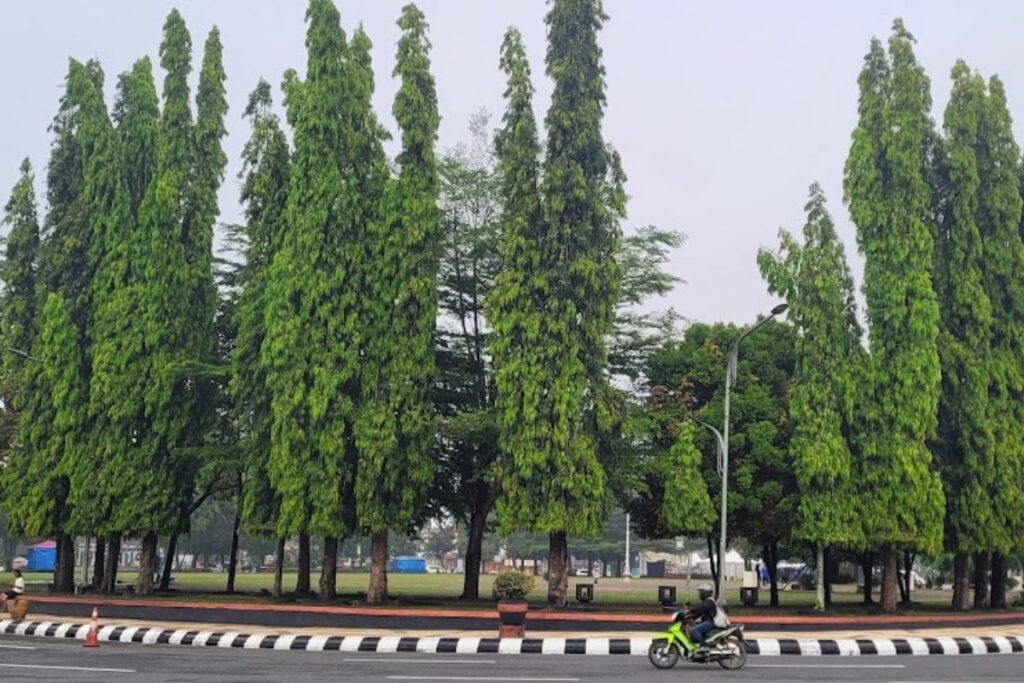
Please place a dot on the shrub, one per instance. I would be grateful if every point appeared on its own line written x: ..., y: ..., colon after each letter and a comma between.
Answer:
x: 513, y: 585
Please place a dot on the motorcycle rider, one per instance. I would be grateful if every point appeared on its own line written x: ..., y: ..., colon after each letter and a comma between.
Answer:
x: 707, y: 613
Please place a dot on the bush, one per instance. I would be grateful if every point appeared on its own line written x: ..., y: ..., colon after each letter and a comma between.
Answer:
x: 1011, y: 583
x: 513, y: 585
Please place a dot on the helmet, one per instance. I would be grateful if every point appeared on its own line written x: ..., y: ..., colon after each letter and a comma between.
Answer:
x: 704, y: 591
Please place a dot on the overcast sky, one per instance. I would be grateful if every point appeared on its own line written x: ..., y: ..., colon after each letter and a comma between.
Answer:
x: 724, y: 112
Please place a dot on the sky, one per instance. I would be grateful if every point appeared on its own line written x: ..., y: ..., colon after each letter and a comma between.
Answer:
x: 724, y: 112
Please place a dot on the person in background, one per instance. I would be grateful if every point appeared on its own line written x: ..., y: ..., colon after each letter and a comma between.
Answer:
x: 14, y: 592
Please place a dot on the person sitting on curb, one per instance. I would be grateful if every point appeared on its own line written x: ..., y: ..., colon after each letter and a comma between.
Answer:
x: 15, y: 592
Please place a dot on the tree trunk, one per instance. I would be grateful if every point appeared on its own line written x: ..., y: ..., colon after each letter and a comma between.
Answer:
x: 302, y: 579
x: 890, y: 589
x: 278, y: 569
x: 558, y: 569
x: 98, y: 561
x: 831, y: 570
x: 867, y: 566
x: 329, y: 570
x: 773, y: 572
x: 712, y: 557
x: 147, y: 564
x: 901, y: 578
x: 64, y: 570
x: 113, y: 560
x: 233, y: 559
x: 474, y: 551
x: 981, y: 580
x: 378, y: 591
x: 998, y: 592
x: 819, y: 603
x: 172, y: 550
x: 908, y: 577
x: 961, y: 583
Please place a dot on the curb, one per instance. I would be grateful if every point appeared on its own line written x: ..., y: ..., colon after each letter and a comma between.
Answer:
x: 511, y: 646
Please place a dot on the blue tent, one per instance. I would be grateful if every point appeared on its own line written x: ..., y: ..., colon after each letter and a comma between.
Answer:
x: 409, y: 565
x: 42, y: 557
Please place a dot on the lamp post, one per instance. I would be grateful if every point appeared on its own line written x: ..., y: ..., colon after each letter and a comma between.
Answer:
x: 730, y: 379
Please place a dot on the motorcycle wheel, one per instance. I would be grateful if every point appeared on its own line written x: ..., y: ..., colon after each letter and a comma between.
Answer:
x: 662, y: 654
x: 738, y: 657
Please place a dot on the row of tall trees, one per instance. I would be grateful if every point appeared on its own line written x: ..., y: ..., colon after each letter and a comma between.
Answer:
x: 914, y: 444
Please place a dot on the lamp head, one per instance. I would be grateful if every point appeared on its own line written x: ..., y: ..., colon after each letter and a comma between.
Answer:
x: 781, y: 308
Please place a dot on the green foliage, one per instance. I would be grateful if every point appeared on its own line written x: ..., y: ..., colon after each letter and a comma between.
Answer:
x: 36, y: 480
x: 688, y: 508
x: 513, y: 585
x: 887, y: 187
x: 137, y: 115
x: 965, y: 443
x: 18, y: 271
x: 815, y: 281
x: 396, y: 427
x: 265, y: 179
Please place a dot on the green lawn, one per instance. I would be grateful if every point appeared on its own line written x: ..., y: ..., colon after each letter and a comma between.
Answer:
x: 443, y: 590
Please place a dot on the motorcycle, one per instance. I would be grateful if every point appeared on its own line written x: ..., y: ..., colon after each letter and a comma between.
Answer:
x: 725, y: 646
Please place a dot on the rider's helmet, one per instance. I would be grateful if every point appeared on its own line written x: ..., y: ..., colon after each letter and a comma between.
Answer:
x: 704, y: 591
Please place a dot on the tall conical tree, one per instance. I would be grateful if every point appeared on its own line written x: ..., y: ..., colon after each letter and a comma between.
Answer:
x: 887, y: 189
x: 815, y: 280
x: 311, y: 350
x: 18, y: 271
x: 688, y: 508
x: 396, y: 428
x: 1000, y: 199
x: 265, y: 177
x: 966, y: 440
x: 583, y: 202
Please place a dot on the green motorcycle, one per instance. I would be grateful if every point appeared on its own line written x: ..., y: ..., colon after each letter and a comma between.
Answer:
x: 725, y: 647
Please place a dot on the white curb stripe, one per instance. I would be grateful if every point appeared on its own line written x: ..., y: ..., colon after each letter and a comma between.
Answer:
x: 151, y: 636
x: 61, y: 632
x: 253, y: 642
x: 284, y: 643
x: 427, y: 645
x: 884, y: 647
x: 510, y: 646
x: 201, y: 638
x: 227, y: 639
x: 949, y: 646
x: 316, y: 644
x: 467, y: 646
x: 177, y: 636
x: 350, y: 644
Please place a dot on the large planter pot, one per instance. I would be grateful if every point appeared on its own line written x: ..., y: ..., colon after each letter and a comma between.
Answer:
x: 512, y: 618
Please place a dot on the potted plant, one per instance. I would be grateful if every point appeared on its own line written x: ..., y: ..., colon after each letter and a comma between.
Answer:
x: 511, y: 588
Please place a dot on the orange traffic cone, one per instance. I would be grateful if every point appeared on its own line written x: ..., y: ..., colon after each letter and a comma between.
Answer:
x: 91, y: 639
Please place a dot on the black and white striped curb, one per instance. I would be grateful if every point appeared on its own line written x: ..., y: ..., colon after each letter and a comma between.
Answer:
x: 512, y: 646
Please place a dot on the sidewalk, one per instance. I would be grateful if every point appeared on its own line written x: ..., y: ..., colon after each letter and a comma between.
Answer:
x: 936, y: 641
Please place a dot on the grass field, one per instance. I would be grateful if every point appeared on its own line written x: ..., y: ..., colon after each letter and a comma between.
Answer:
x: 435, y: 590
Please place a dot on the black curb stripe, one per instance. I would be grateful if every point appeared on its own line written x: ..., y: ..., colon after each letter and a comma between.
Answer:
x: 789, y: 646
x: 616, y: 646
x: 965, y: 647
x: 51, y: 630
x: 300, y: 643
x: 115, y: 635
x: 934, y: 646
x: 488, y: 646
x: 867, y: 647
x: 534, y: 646
x: 991, y: 646
x: 140, y: 634
x: 333, y: 643
x: 447, y: 645
x: 370, y: 644
x: 753, y: 648
x: 164, y: 638
x: 76, y: 629
x: 268, y: 642
x: 575, y: 646
x: 828, y: 647
x: 189, y: 637
x: 240, y: 639
x: 406, y: 644
x: 902, y: 646
x: 1015, y: 644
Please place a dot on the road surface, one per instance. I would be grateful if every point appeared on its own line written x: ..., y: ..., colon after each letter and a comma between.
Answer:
x: 37, y: 659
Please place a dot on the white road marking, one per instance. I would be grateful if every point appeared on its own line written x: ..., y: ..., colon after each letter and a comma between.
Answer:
x: 16, y: 647
x: 481, y: 678
x: 67, y: 668
x: 826, y: 666
x: 397, y: 660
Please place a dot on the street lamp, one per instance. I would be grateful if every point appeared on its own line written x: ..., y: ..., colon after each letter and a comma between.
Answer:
x: 730, y: 379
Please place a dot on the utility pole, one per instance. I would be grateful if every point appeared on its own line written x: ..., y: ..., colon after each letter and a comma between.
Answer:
x: 627, y: 575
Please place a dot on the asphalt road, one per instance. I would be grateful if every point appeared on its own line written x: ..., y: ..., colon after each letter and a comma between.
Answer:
x: 31, y: 659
